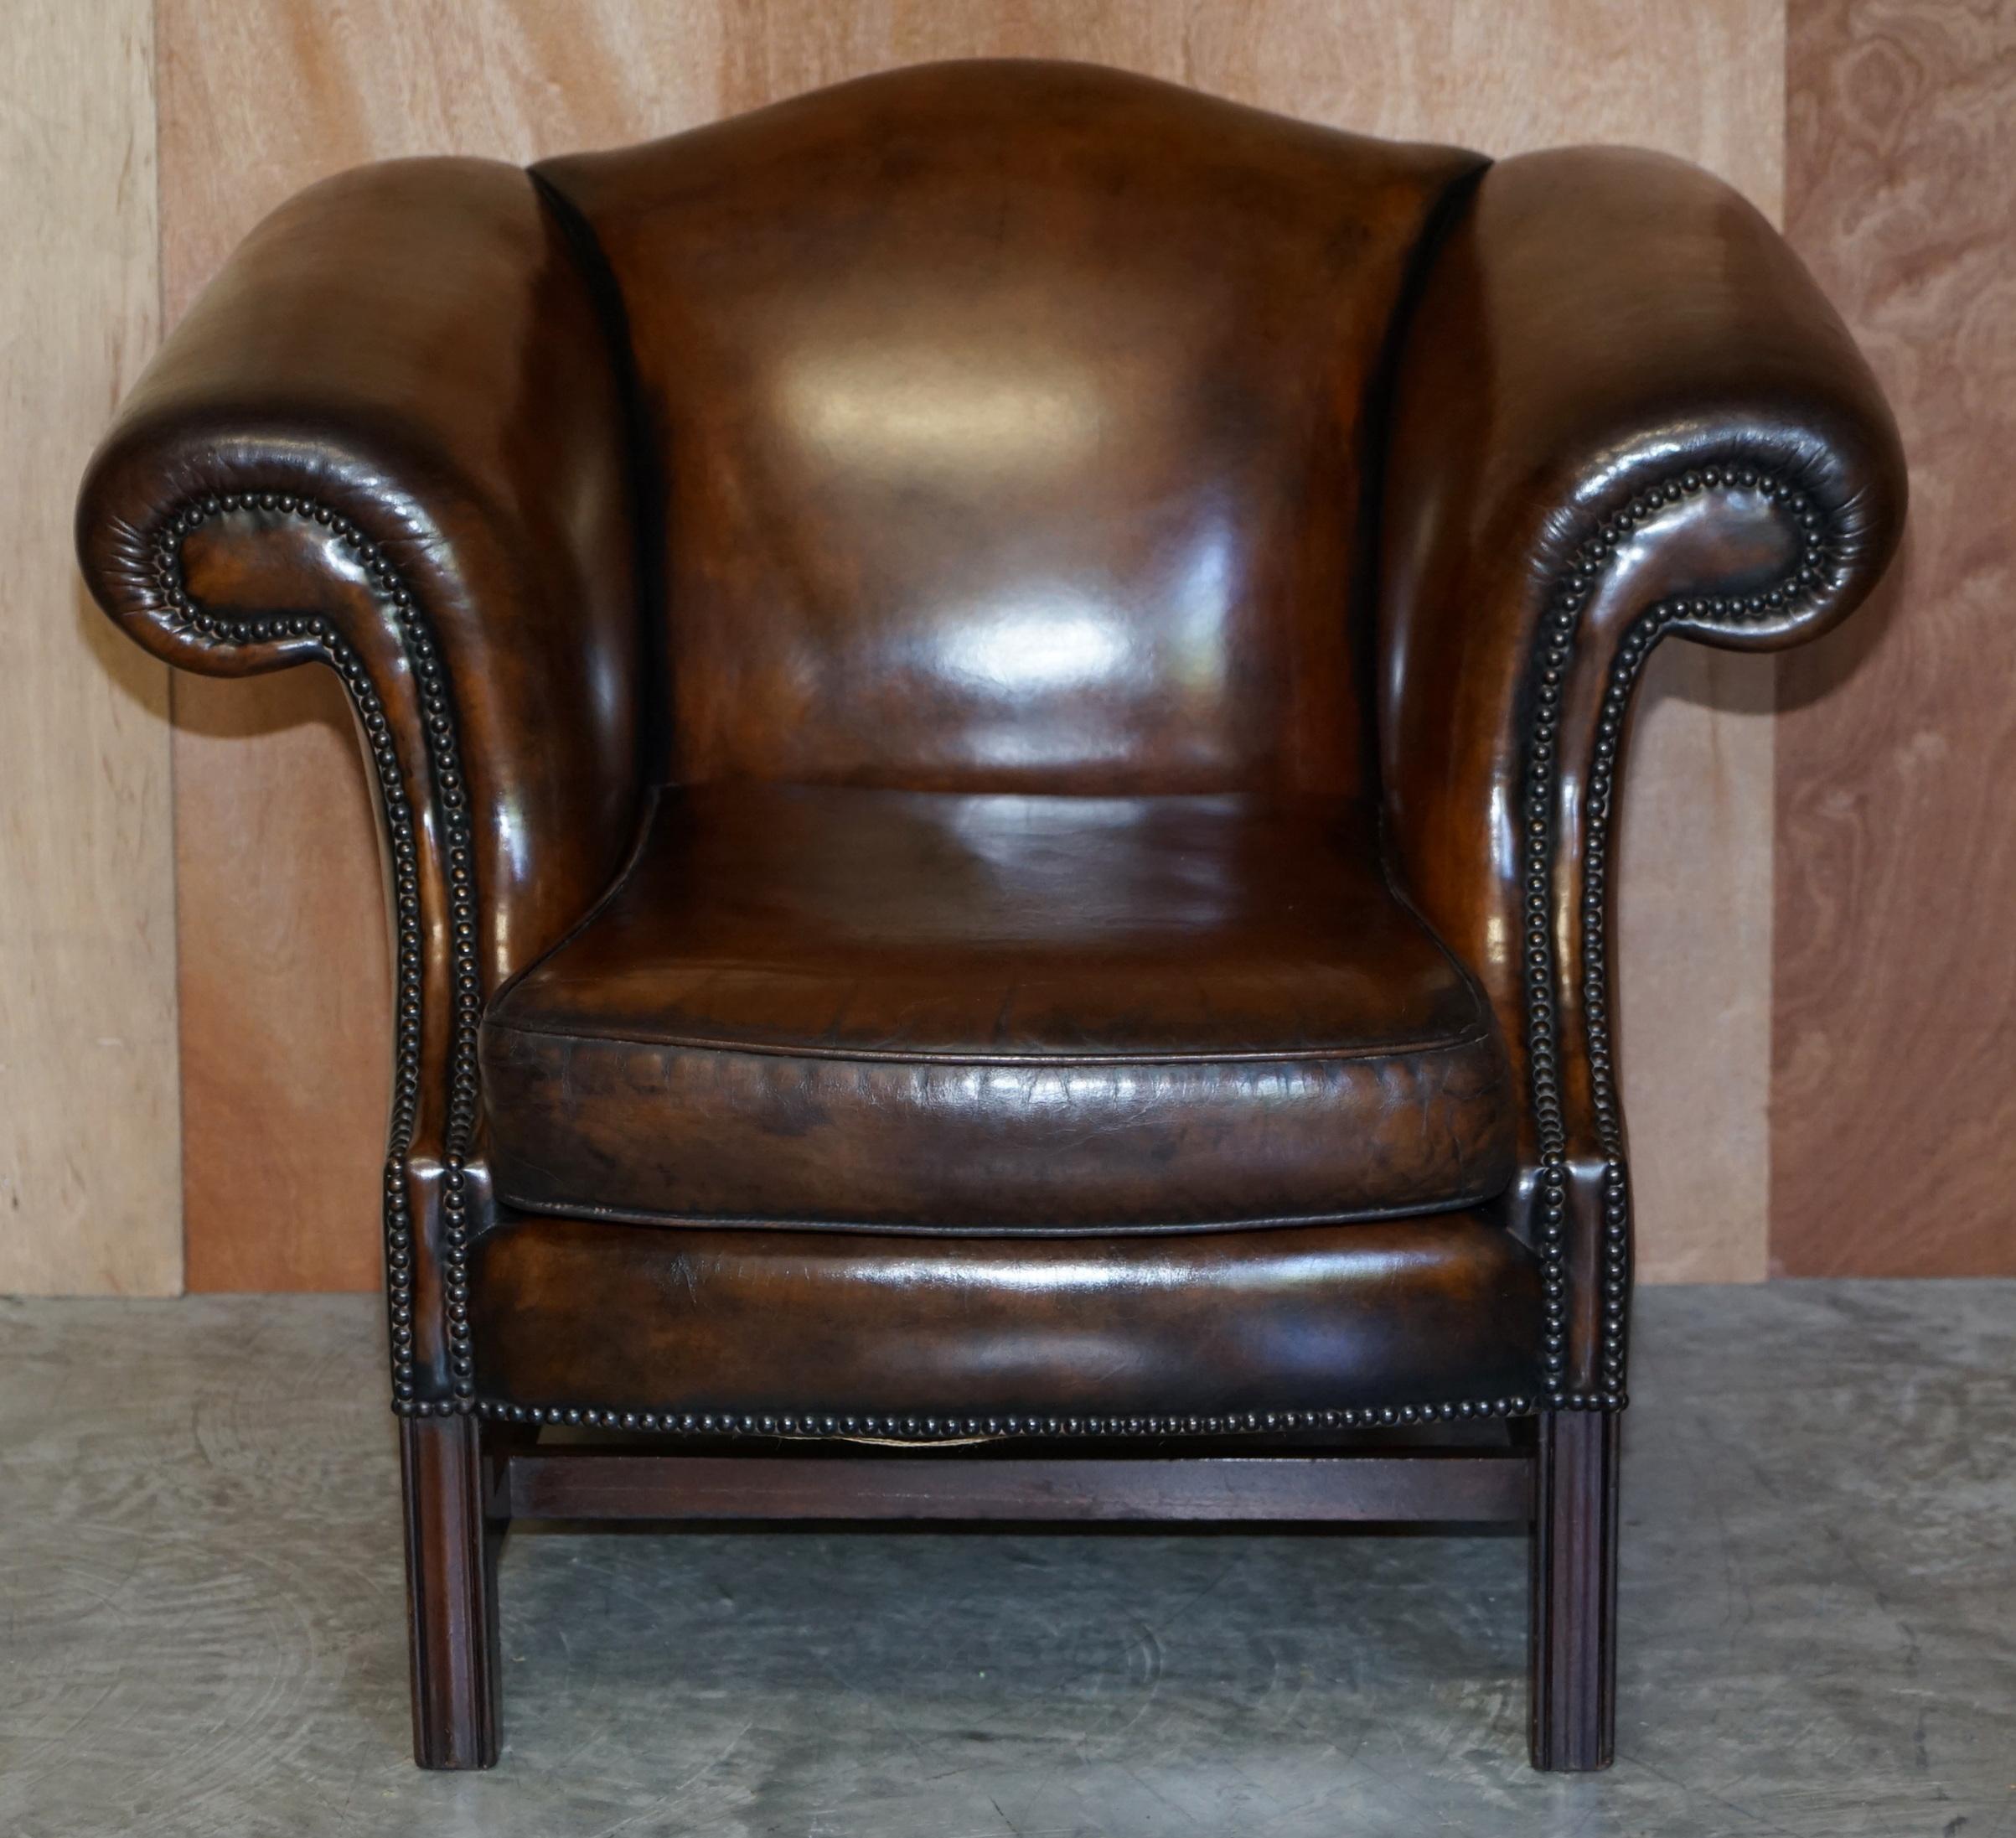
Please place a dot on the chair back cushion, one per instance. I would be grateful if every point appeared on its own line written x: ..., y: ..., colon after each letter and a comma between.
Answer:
x: 1007, y: 419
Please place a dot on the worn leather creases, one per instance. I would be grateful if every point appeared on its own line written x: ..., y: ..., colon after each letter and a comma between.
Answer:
x: 996, y: 1011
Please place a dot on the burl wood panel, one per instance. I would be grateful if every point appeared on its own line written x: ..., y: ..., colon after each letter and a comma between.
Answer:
x: 1894, y: 1094
x: 281, y: 934
x: 90, y: 1142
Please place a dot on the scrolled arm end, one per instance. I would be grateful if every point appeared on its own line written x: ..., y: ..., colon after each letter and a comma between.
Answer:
x: 391, y: 434
x: 1623, y: 412
x: 220, y: 586
x: 390, y: 438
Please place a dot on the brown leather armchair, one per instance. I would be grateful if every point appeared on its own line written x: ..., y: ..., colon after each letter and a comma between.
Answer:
x: 997, y: 695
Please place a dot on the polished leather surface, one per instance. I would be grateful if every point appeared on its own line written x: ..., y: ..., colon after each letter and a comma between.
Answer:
x: 639, y: 1318
x: 993, y: 429
x: 819, y: 1003
x: 1009, y: 414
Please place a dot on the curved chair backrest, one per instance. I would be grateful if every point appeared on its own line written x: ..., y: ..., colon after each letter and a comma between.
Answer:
x: 1008, y: 418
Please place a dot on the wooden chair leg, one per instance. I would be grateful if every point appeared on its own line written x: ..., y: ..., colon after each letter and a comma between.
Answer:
x: 451, y: 1592
x: 1575, y: 1592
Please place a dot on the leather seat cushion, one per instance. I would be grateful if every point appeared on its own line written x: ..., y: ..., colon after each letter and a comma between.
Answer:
x: 582, y: 1313
x: 835, y: 1006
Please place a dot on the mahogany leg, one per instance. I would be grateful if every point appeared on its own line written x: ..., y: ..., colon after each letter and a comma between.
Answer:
x: 1575, y: 1592
x: 451, y: 1592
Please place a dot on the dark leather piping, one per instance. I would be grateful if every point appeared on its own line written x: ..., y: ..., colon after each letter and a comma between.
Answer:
x: 1061, y: 1062
x: 618, y: 1215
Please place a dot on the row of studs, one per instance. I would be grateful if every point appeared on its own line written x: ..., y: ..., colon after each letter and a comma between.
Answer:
x: 438, y: 727
x: 1802, y: 582
x: 912, y: 1427
x: 437, y: 723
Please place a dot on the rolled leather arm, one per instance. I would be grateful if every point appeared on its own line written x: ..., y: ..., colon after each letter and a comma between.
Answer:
x: 390, y: 438
x: 1622, y: 411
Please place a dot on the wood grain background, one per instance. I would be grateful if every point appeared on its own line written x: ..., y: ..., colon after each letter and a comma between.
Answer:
x: 1778, y: 874
x: 88, y: 1148
x: 1894, y: 1119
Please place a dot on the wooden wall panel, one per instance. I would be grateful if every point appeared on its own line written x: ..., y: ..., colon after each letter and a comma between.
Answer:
x: 286, y: 978
x: 88, y: 1136
x: 1894, y: 1121
x: 280, y: 929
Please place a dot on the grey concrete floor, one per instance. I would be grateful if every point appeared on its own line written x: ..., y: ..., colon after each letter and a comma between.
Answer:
x: 200, y: 1605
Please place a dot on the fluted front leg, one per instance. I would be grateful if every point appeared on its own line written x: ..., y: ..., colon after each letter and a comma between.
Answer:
x: 1573, y: 1700
x: 451, y: 1593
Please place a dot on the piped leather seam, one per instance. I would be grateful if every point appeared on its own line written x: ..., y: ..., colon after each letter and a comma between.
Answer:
x: 639, y: 1216
x: 1479, y: 1035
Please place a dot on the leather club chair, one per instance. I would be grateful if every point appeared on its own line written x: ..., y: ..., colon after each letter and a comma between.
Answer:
x: 996, y: 696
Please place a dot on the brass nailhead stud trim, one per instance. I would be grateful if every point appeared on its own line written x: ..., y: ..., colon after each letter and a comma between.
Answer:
x: 925, y: 1427
x: 437, y: 725
x: 1796, y: 592
x: 1800, y: 587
